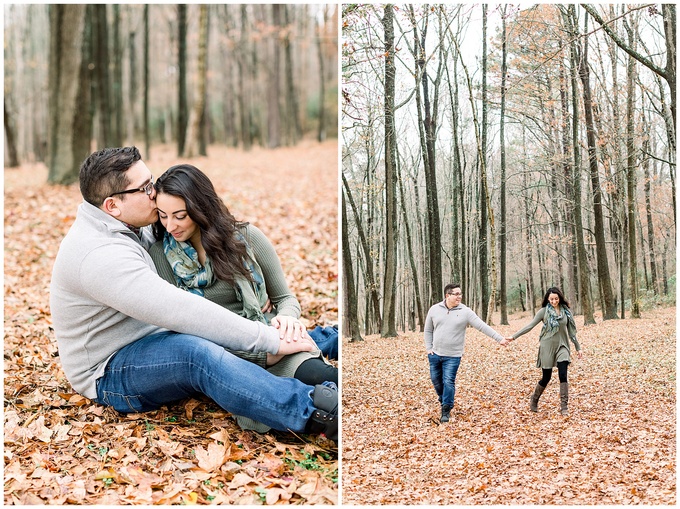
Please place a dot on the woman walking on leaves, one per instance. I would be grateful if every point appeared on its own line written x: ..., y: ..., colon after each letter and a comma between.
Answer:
x: 558, y: 329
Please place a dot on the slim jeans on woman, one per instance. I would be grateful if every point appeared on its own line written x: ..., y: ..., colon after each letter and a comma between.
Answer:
x: 166, y: 367
x: 443, y: 375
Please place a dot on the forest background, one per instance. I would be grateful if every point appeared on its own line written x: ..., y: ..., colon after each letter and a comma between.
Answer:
x: 509, y: 150
x: 249, y: 95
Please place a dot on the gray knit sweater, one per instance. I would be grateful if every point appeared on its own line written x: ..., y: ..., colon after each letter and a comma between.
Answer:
x: 105, y: 294
x: 445, y: 329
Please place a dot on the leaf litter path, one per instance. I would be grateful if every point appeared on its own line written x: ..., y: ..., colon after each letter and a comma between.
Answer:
x: 61, y: 448
x: 617, y: 446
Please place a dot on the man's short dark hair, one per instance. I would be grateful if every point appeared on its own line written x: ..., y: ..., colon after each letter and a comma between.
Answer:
x: 103, y: 173
x: 450, y: 287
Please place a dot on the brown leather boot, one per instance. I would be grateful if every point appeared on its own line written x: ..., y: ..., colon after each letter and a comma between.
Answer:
x: 564, y: 398
x: 533, y: 402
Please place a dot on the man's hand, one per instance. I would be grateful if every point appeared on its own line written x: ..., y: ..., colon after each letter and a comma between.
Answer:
x: 290, y: 329
x: 505, y: 342
x: 304, y: 344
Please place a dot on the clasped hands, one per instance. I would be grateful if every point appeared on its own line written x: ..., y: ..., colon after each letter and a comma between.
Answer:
x: 293, y: 335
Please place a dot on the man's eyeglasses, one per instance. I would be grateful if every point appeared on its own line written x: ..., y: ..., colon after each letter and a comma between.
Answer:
x: 455, y: 294
x: 147, y: 188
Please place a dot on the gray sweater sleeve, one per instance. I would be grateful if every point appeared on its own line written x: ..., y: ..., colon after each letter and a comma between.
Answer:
x: 537, y: 319
x: 429, y: 331
x: 132, y: 289
x: 481, y: 326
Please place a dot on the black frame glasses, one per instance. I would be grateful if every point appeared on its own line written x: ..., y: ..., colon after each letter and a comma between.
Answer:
x: 454, y: 294
x: 147, y: 188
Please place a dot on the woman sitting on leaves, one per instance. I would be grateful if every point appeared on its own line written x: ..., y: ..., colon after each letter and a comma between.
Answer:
x: 203, y: 249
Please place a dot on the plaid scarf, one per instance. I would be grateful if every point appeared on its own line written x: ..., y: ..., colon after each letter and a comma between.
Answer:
x: 552, y: 320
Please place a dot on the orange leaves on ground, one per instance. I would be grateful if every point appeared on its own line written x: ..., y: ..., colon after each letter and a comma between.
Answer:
x: 617, y: 446
x: 60, y: 448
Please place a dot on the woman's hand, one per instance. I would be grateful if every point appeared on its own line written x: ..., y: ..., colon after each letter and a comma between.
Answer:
x: 580, y: 354
x: 268, y: 306
x: 305, y: 344
x: 290, y: 329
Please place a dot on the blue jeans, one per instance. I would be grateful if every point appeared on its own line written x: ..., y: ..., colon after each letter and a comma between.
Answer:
x: 326, y: 338
x: 443, y: 375
x: 168, y: 366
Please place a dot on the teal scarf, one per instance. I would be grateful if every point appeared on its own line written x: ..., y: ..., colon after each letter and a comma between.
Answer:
x: 551, y: 323
x: 183, y: 258
x: 191, y: 276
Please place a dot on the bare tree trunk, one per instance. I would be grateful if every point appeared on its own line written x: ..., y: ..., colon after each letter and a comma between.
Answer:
x: 69, y: 101
x: 273, y: 112
x: 182, y: 107
x: 117, y: 129
x: 604, y: 279
x: 648, y: 210
x: 101, y: 80
x: 145, y: 116
x: 321, y: 136
x: 568, y: 192
x: 631, y: 183
x: 429, y: 123
x: 503, y: 229
x: 243, y: 85
x: 293, y: 108
x: 388, y: 328
x: 411, y: 258
x: 132, y: 88
x: 11, y: 137
x: 483, y: 185
x: 193, y: 136
x: 584, y: 273
x: 372, y: 286
x: 350, y: 322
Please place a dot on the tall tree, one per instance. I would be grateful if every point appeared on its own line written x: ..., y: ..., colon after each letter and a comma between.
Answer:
x: 389, y: 295
x: 291, y: 94
x: 321, y: 136
x: 582, y: 255
x: 371, y: 283
x: 193, y: 141
x: 69, y: 100
x: 273, y: 87
x: 502, y: 233
x: 101, y: 80
x: 631, y: 183
x: 604, y: 278
x: 350, y: 322
x: 182, y: 108
x: 429, y: 136
x: 10, y: 136
x: 117, y: 83
x: 145, y: 100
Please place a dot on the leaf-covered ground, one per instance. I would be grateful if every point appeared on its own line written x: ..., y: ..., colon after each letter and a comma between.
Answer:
x: 617, y: 446
x: 61, y: 448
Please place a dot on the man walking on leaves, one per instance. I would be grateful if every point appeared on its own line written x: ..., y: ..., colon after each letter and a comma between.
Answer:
x: 445, y: 341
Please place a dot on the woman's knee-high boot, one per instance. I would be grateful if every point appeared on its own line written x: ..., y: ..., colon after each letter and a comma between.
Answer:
x: 533, y: 402
x: 564, y: 398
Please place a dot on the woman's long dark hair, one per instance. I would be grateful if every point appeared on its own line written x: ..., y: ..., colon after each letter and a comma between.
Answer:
x: 206, y: 209
x: 557, y: 292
